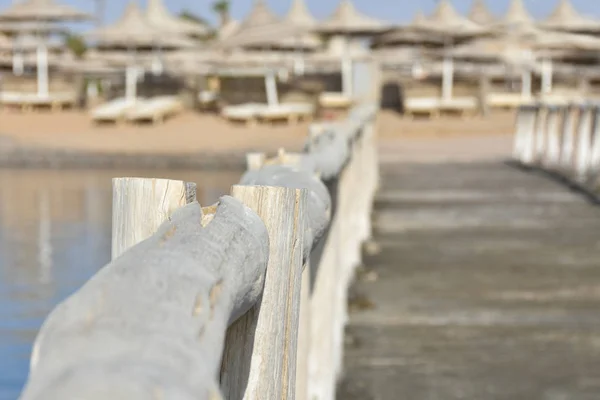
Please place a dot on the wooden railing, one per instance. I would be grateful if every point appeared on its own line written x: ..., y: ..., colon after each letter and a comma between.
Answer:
x: 562, y: 139
x: 244, y: 299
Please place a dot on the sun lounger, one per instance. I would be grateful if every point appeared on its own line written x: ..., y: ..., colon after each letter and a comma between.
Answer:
x: 247, y: 113
x: 113, y: 110
x: 334, y: 100
x: 460, y: 105
x: 27, y: 101
x: 292, y: 112
x: 422, y: 105
x: 506, y: 100
x: 155, y: 110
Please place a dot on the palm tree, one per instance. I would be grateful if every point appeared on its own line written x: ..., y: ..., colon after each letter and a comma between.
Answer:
x: 221, y: 7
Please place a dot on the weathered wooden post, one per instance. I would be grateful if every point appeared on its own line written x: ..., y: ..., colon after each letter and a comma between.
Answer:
x: 568, y: 136
x: 141, y: 205
x: 584, y: 141
x: 541, y: 129
x: 259, y: 361
x: 523, y: 150
x: 552, y: 153
x: 255, y: 161
x: 595, y: 154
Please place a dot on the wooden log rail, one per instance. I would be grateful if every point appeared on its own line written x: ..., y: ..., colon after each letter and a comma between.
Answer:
x: 561, y: 139
x: 243, y: 299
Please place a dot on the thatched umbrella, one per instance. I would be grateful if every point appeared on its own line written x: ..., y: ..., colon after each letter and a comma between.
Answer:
x: 480, y: 14
x: 516, y: 15
x: 159, y: 16
x: 260, y: 28
x: 446, y: 21
x: 346, y: 23
x: 42, y: 11
x: 14, y: 28
x: 346, y: 20
x: 566, y: 18
x: 133, y: 32
x: 518, y: 48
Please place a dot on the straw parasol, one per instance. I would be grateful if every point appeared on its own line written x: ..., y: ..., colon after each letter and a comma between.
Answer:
x: 158, y: 15
x: 347, y: 20
x: 259, y: 28
x: 227, y: 30
x: 24, y: 27
x: 566, y: 18
x: 480, y: 14
x: 447, y: 21
x: 27, y: 43
x: 42, y: 10
x: 297, y: 16
x: 409, y: 34
x: 133, y: 30
x: 516, y: 15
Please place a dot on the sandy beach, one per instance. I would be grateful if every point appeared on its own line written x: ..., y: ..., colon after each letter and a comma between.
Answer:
x: 193, y: 133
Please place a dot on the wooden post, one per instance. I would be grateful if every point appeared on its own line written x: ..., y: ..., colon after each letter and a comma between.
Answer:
x: 568, y: 138
x: 255, y: 161
x: 584, y: 142
x: 541, y: 130
x: 141, y: 205
x: 304, y: 339
x: 595, y: 155
x: 259, y: 361
x: 552, y: 154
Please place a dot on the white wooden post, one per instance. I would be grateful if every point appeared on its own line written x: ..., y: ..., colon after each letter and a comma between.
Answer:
x: 141, y: 205
x: 259, y: 361
x: 568, y: 136
x: 255, y: 161
x: 552, y: 157
x: 547, y: 76
x: 523, y: 150
x: 595, y: 156
x: 271, y: 88
x: 131, y: 73
x: 541, y: 130
x: 526, y: 84
x: 42, y: 70
x: 447, y: 78
x: 584, y: 142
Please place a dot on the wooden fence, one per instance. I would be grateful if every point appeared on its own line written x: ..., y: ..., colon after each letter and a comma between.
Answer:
x: 244, y: 299
x: 561, y: 139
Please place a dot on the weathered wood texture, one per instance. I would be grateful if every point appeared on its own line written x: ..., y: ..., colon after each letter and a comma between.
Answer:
x: 260, y: 353
x: 141, y: 205
x: 152, y: 323
x: 561, y: 139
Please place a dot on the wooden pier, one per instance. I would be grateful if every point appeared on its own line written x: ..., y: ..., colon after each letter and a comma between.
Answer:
x: 486, y: 286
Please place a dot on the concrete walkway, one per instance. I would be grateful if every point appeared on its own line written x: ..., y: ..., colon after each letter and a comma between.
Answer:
x: 486, y: 286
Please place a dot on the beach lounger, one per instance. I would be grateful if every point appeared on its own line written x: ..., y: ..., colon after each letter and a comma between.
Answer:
x: 27, y: 101
x: 422, y: 105
x: 334, y: 100
x: 155, y: 110
x: 460, y: 105
x: 291, y: 112
x: 506, y: 100
x: 114, y: 110
x: 247, y: 112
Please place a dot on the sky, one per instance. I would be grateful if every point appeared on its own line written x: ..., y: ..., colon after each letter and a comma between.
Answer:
x: 395, y: 11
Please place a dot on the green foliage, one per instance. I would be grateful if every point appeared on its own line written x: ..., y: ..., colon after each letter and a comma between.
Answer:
x: 221, y: 6
x: 76, y: 44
